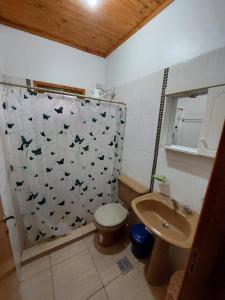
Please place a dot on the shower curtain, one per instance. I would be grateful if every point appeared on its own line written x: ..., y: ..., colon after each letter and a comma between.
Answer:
x: 64, y: 156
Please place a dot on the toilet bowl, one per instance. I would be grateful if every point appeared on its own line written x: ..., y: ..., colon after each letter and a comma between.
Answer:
x: 111, y: 218
x: 109, y: 221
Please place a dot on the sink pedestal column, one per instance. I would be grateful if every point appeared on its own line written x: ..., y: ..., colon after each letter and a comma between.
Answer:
x: 157, y: 269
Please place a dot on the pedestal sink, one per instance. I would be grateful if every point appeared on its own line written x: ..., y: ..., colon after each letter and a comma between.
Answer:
x: 170, y: 225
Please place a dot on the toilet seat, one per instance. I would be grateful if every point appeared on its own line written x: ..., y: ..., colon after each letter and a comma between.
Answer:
x: 110, y: 215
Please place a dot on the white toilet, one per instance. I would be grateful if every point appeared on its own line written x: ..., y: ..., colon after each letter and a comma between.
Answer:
x: 111, y: 218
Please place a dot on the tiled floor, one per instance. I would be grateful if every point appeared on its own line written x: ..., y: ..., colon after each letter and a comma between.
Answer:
x: 33, y: 252
x: 83, y: 270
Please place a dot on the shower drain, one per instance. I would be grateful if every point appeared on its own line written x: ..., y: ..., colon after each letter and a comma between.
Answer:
x: 125, y: 265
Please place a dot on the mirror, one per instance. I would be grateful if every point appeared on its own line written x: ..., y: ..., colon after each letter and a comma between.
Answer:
x: 185, y: 121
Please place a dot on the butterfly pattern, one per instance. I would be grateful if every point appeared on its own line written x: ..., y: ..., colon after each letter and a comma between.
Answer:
x: 64, y: 158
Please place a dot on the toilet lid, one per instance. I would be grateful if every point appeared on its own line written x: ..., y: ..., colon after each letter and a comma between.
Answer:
x: 110, y: 215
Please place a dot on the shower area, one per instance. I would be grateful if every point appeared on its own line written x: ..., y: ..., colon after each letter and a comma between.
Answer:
x: 62, y: 154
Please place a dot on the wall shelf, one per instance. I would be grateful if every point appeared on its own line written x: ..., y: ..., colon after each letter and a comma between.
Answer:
x: 177, y: 148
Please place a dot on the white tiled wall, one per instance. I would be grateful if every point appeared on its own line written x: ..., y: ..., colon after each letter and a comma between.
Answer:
x: 143, y: 99
x: 202, y: 71
x: 187, y: 175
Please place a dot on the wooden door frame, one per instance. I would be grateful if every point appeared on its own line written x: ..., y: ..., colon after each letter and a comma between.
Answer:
x: 60, y: 87
x: 205, y: 273
x: 9, y: 283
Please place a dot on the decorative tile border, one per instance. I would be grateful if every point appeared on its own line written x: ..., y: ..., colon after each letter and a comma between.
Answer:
x: 159, y: 127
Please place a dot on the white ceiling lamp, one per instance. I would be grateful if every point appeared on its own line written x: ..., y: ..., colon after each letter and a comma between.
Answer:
x: 92, y: 3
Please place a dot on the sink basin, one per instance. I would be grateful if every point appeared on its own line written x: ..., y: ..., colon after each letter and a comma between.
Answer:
x: 157, y: 212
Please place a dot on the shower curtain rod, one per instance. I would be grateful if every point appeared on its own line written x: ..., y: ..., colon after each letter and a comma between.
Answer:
x: 60, y: 92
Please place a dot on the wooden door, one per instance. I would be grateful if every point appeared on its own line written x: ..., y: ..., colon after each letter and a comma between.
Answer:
x: 9, y: 285
x: 205, y: 274
x: 213, y: 121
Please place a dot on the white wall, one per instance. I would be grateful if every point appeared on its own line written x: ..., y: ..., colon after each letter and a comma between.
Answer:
x: 1, y: 66
x: 187, y: 174
x: 184, y: 30
x: 189, y: 36
x: 29, y: 56
x: 142, y: 97
x: 200, y: 72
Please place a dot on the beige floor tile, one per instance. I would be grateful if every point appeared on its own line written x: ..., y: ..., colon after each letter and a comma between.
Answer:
x: 106, y: 258
x: 38, y: 287
x: 67, y: 251
x: 131, y: 286
x: 100, y: 295
x: 35, y: 267
x: 76, y: 278
x: 46, y: 247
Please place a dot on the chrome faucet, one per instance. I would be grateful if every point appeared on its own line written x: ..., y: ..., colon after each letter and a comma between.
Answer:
x: 185, y: 208
x: 175, y: 203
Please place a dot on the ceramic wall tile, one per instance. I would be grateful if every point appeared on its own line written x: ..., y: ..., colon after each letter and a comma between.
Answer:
x: 186, y: 183
x: 133, y: 129
x: 128, y: 162
x: 187, y: 174
x: 134, y: 95
x: 152, y: 87
x: 143, y: 167
x: 147, y: 133
x: 202, y: 71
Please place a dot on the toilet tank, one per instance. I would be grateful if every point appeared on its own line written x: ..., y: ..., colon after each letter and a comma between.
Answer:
x: 129, y: 189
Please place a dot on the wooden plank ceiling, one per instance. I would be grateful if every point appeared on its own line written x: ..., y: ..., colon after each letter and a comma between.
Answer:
x: 97, y: 30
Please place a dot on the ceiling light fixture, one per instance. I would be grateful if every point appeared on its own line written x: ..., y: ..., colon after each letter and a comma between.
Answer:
x: 92, y: 2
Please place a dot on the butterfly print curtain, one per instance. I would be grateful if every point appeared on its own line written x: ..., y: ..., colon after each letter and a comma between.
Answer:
x: 64, y: 157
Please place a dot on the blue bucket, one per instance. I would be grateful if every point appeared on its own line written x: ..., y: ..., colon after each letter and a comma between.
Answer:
x: 142, y: 241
